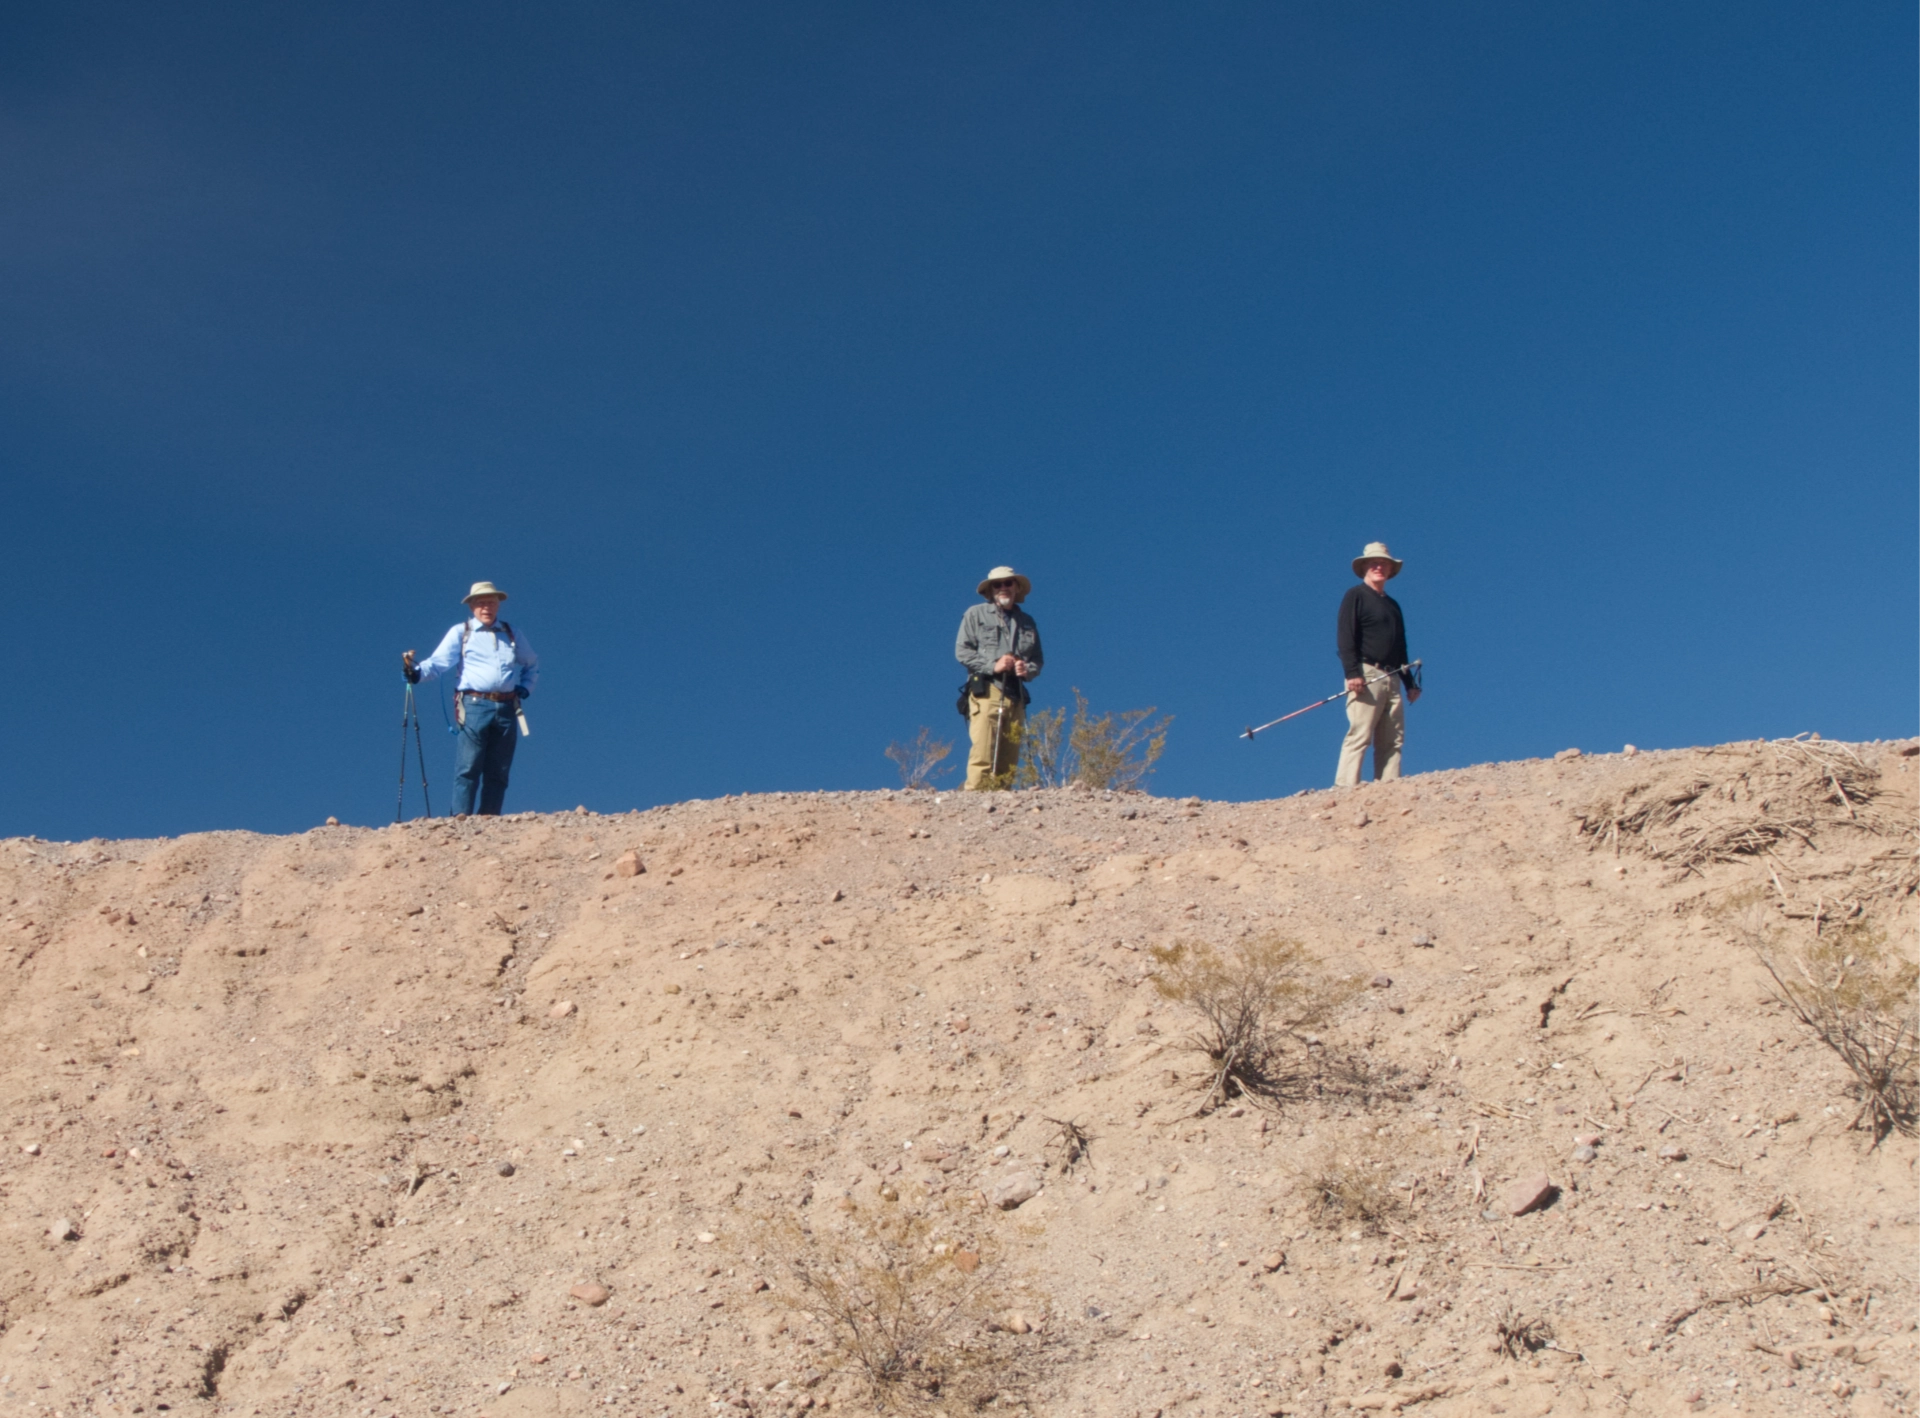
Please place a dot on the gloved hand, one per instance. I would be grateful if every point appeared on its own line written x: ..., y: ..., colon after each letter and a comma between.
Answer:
x: 407, y: 667
x: 523, y: 692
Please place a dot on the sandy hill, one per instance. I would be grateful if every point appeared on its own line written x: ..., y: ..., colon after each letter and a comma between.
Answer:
x: 461, y: 1117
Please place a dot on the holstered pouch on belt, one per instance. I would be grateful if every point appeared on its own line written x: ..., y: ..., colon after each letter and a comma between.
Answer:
x: 981, y: 686
x: 976, y: 687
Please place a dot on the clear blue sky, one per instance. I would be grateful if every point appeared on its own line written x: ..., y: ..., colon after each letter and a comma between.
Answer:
x: 738, y: 340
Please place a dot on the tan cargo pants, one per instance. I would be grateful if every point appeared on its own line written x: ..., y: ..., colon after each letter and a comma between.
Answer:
x: 997, y: 714
x: 1376, y: 716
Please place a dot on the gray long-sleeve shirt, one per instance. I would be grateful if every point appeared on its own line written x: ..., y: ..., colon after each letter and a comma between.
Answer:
x: 987, y: 633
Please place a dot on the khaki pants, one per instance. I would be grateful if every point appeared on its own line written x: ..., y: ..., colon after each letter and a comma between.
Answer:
x: 1376, y: 716
x: 982, y: 715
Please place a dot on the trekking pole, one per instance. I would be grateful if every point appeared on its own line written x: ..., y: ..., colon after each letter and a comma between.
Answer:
x: 426, y: 793
x: 1370, y: 679
x: 999, y: 722
x: 406, y: 713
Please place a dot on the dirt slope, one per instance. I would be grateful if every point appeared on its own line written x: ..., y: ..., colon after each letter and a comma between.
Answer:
x: 258, y: 1093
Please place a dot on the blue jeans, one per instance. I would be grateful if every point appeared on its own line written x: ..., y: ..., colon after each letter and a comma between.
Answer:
x: 485, y: 755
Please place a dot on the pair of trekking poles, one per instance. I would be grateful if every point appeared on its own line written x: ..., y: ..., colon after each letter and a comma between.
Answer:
x: 410, y: 719
x: 1412, y: 667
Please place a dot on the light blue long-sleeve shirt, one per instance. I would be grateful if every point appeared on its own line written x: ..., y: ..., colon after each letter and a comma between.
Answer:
x: 493, y: 663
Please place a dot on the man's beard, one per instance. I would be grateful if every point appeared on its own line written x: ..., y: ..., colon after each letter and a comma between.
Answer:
x: 1005, y: 602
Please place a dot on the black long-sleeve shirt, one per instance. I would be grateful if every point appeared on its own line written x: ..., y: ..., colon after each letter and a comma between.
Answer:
x: 1370, y: 632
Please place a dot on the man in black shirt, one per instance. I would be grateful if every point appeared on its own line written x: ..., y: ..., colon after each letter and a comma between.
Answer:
x: 1372, y: 642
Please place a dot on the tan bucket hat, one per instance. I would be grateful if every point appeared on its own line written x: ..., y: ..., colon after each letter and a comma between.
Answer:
x: 1022, y: 587
x: 1376, y: 551
x: 482, y: 588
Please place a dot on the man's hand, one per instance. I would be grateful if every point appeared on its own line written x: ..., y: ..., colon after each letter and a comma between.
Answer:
x: 407, y: 667
x: 522, y: 693
x: 1023, y: 668
x: 1005, y: 663
x: 1354, y: 686
x: 1413, y: 695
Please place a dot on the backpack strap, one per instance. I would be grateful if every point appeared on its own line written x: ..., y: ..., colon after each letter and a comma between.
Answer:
x: 466, y: 631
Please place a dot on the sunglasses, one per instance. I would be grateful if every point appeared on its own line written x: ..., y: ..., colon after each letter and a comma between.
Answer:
x: 1003, y: 585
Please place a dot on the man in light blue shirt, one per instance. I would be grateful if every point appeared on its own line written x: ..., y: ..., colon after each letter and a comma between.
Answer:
x: 496, y: 670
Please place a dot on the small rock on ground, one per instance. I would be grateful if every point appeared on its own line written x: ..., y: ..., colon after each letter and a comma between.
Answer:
x: 1012, y: 1191
x: 1528, y: 1194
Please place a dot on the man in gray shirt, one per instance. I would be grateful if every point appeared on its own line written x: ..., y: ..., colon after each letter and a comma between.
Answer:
x: 1000, y: 646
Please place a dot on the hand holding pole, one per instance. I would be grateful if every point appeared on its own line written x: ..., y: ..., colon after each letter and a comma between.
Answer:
x: 1340, y: 694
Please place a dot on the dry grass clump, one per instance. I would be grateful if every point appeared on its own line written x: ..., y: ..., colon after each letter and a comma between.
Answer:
x: 1345, y: 1186
x: 1070, y: 1145
x: 1250, y: 997
x: 915, y: 1305
x: 1796, y: 787
x: 1519, y: 1335
x: 1862, y: 1001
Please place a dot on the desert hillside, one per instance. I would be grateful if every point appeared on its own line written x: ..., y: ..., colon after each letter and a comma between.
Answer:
x: 534, y: 1115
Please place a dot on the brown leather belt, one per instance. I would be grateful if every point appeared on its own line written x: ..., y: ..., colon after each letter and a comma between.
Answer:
x: 497, y: 696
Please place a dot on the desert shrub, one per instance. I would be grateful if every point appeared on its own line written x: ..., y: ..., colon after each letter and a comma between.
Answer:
x: 1251, y: 998
x: 1045, y: 761
x: 1116, y: 751
x: 913, y: 1304
x: 1344, y: 1186
x: 1860, y: 1000
x: 919, y: 761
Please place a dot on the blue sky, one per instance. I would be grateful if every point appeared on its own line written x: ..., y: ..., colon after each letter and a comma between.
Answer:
x: 738, y: 340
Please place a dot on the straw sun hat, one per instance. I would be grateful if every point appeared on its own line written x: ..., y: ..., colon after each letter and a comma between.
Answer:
x: 483, y: 588
x: 1021, y: 586
x: 1376, y: 551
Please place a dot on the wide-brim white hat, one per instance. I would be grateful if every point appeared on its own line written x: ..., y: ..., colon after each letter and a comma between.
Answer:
x: 1376, y: 551
x: 1022, y: 587
x: 482, y: 588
